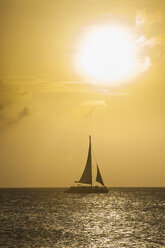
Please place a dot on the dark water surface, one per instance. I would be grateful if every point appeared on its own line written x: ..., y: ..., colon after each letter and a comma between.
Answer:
x: 125, y: 217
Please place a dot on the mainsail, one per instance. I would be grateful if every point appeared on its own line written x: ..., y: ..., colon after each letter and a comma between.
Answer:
x: 87, y: 174
x: 99, y: 177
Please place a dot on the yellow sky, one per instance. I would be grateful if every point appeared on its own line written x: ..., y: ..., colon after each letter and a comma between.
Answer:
x: 47, y: 110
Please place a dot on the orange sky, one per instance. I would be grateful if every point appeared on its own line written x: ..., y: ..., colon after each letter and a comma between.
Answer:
x: 47, y: 110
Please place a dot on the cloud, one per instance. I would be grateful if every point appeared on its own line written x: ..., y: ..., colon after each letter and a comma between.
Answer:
x: 95, y: 103
x: 91, y: 107
x: 140, y: 19
x: 13, y: 94
x: 117, y: 93
x: 147, y: 63
x: 144, y: 47
x: 146, y: 18
x: 65, y: 87
x: 22, y: 114
x: 143, y: 41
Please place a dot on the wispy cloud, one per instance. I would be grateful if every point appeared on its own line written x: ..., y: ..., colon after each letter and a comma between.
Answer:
x: 144, y: 17
x: 143, y: 41
x: 147, y: 64
x: 140, y: 19
x: 90, y: 107
x: 95, y: 103
x: 22, y: 114
x: 10, y: 97
x: 143, y: 44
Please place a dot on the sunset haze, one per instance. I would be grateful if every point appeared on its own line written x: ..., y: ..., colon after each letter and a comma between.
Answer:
x: 50, y: 104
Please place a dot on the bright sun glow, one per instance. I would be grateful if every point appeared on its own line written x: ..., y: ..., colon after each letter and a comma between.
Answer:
x: 107, y: 55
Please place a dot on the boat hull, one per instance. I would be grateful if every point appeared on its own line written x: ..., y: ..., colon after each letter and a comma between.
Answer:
x: 87, y: 190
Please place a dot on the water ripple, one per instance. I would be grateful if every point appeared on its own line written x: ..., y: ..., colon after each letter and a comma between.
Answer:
x: 49, y: 218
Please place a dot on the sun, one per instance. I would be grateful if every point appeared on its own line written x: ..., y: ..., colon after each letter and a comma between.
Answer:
x: 107, y: 55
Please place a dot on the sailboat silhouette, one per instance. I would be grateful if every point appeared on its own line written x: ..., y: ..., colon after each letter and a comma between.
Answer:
x: 87, y: 178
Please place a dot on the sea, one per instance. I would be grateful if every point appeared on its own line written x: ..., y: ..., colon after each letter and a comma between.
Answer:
x: 50, y: 218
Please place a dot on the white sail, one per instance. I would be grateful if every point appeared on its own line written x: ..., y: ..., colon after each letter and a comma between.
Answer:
x: 87, y: 174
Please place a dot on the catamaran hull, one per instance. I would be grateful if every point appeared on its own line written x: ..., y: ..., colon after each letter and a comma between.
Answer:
x: 87, y: 190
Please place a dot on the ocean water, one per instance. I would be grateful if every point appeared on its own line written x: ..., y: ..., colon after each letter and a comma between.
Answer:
x: 42, y: 218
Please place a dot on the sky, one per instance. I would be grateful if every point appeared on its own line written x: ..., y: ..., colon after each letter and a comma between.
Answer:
x: 48, y: 109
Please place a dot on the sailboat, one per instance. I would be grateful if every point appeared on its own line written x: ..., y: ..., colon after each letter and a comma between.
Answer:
x: 86, y: 183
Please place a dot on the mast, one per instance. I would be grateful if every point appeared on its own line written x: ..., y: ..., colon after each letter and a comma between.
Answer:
x: 90, y: 145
